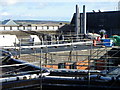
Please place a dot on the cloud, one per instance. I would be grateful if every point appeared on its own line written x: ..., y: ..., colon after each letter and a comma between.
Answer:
x: 28, y: 15
x: 8, y: 2
x: 76, y: 0
x: 11, y: 2
x: 72, y: 0
x: 5, y: 14
x: 47, y: 9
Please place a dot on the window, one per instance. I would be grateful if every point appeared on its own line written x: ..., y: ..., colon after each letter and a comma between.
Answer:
x: 4, y: 27
x: 23, y: 27
x: 17, y: 27
x: 36, y: 27
x: 42, y: 27
x: 47, y: 27
x: 10, y: 27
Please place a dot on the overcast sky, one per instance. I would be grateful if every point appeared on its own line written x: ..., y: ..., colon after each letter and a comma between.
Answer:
x: 56, y: 10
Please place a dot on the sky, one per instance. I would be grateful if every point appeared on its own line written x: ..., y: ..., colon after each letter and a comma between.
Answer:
x: 53, y: 10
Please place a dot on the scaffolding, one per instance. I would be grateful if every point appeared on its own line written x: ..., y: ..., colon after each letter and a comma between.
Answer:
x: 90, y: 57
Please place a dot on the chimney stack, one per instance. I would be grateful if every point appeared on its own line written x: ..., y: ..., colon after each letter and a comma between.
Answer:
x: 77, y: 22
x: 83, y: 24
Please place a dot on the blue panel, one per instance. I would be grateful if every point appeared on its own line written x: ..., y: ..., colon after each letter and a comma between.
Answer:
x: 107, y: 42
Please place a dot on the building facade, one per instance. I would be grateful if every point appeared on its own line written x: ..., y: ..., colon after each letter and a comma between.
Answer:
x: 119, y: 6
x: 10, y: 25
x: 95, y: 21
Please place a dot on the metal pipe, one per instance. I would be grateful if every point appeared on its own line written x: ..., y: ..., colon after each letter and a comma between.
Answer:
x: 77, y: 22
x: 84, y: 20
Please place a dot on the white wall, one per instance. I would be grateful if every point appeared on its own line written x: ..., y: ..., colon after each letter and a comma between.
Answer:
x: 55, y: 27
x: 33, y: 28
x: 51, y: 28
x: 39, y: 27
x: 8, y: 40
x: 14, y: 28
x: 28, y: 28
x: 20, y: 28
x: 1, y: 28
x: 34, y: 39
x: 7, y: 28
x: 45, y: 28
